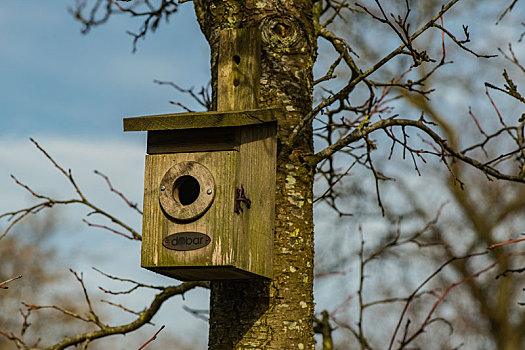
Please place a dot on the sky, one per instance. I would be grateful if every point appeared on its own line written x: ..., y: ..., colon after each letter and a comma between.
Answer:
x: 69, y: 92
x: 57, y: 81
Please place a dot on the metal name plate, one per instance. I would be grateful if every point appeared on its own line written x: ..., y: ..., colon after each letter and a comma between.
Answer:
x: 186, y: 241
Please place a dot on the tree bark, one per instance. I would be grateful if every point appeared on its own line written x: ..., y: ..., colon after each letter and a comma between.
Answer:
x: 277, y: 314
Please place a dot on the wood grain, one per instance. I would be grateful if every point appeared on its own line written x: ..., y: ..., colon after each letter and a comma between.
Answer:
x: 193, y: 140
x: 217, y: 222
x: 239, y: 69
x: 180, y: 121
x: 239, y: 149
x: 171, y: 184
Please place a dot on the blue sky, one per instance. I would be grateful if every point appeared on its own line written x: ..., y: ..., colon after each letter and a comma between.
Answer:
x: 54, y: 80
x: 70, y: 92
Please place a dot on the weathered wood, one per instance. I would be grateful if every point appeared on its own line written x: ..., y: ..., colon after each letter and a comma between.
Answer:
x: 179, y: 121
x: 190, y: 180
x: 222, y: 154
x: 209, y: 273
x: 241, y: 243
x: 193, y: 140
x: 257, y: 175
x: 216, y: 223
x: 239, y: 69
x: 238, y: 88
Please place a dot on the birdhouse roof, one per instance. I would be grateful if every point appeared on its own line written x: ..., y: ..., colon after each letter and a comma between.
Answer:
x: 201, y: 120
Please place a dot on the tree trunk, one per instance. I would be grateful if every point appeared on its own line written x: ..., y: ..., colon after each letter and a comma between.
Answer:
x: 257, y: 314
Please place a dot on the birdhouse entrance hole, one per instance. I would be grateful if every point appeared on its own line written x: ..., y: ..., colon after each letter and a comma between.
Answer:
x: 187, y: 189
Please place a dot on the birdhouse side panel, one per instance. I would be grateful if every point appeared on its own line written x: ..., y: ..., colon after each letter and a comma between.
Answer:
x: 258, y: 153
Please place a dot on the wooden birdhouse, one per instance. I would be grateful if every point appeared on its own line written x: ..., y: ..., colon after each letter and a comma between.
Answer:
x: 209, y: 187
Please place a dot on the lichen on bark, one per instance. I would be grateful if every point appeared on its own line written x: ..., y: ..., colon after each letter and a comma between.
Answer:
x: 277, y: 314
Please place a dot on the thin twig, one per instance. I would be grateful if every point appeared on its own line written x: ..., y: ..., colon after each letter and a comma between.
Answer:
x: 118, y: 193
x: 152, y: 338
x: 3, y: 284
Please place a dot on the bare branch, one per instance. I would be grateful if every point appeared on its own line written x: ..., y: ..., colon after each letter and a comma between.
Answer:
x: 118, y: 193
x: 418, y: 289
x: 508, y: 9
x: 345, y: 91
x: 122, y: 307
x: 105, y: 331
x: 3, y: 284
x: 152, y: 338
x: 202, y: 97
x: 17, y: 215
x: 511, y: 241
x: 442, y: 297
x: 90, y: 224
x: 359, y: 134
x: 323, y: 327
x: 197, y: 313
x: 511, y: 89
x: 94, y: 317
x: 137, y: 284
x: 512, y: 59
x: 101, y: 14
x: 461, y: 43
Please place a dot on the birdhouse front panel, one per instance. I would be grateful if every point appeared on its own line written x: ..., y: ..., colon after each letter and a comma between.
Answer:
x: 208, y: 206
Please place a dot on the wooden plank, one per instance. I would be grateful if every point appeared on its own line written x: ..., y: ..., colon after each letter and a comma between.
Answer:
x: 258, y: 152
x: 201, y: 120
x: 238, y: 88
x: 193, y: 140
x: 216, y: 221
x: 239, y: 69
x: 212, y: 273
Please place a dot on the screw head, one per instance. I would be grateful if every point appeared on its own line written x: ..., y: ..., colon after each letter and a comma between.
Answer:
x: 209, y: 191
x: 162, y: 188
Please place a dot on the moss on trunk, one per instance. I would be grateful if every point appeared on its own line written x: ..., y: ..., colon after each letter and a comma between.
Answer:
x: 257, y: 314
